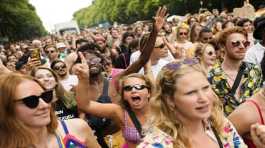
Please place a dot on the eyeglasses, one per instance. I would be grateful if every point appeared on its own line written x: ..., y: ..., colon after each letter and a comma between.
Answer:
x: 177, y: 65
x: 160, y: 46
x: 183, y: 33
x: 136, y: 86
x: 33, y: 101
x: 59, y: 67
x: 50, y: 51
x: 238, y: 43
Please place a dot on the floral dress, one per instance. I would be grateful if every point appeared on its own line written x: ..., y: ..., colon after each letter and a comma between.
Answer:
x: 155, y: 138
x: 251, y: 81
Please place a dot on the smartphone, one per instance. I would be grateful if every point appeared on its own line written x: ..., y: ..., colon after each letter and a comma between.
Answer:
x: 35, y: 54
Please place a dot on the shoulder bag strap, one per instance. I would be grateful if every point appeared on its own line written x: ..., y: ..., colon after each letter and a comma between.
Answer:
x: 135, y: 121
x: 238, y: 78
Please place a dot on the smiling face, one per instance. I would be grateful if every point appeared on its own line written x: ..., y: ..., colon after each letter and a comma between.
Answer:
x: 32, y: 117
x: 60, y: 69
x: 193, y: 101
x: 136, y: 93
x: 209, y: 55
x: 46, y: 78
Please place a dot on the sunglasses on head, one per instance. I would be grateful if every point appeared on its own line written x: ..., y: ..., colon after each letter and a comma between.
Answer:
x: 177, y: 65
x: 160, y: 46
x: 59, y: 67
x: 33, y: 101
x: 136, y: 86
x: 94, y: 60
x: 183, y: 33
x: 238, y: 43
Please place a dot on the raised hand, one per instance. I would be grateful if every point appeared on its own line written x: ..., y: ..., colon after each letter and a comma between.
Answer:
x: 82, y: 69
x: 160, y: 17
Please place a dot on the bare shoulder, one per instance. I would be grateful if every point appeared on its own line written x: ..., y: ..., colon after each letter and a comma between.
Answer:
x: 77, y: 125
x: 244, y: 116
x: 82, y: 131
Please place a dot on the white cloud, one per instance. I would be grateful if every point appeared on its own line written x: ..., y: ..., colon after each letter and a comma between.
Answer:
x: 57, y: 11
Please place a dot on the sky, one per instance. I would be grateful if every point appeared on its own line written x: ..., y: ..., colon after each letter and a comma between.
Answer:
x: 57, y: 11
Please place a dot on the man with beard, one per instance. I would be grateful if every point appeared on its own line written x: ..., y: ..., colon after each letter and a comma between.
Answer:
x: 105, y: 90
x: 232, y: 89
x: 68, y: 81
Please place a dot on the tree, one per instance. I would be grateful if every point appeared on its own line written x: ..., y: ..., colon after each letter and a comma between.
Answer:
x: 19, y: 21
x: 129, y: 11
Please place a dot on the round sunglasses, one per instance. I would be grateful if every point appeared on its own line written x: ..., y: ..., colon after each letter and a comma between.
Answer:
x: 33, y: 101
x: 136, y: 86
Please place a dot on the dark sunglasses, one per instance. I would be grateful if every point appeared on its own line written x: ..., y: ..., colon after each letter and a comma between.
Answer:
x: 160, y: 46
x: 238, y: 43
x: 183, y: 33
x: 136, y: 86
x: 33, y: 101
x: 50, y: 51
x: 59, y: 67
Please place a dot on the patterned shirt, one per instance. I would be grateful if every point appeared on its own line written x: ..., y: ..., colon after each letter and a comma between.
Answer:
x: 251, y: 81
x: 155, y: 138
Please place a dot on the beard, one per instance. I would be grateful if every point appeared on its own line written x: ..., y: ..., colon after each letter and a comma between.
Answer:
x: 95, y: 71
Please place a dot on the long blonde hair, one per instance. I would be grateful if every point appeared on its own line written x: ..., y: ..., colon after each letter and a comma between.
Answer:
x: 164, y: 117
x: 13, y: 132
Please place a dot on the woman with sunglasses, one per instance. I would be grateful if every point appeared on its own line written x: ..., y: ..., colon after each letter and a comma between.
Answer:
x: 206, y: 55
x: 182, y: 41
x: 27, y: 118
x: 186, y: 113
x: 64, y: 102
x: 135, y: 90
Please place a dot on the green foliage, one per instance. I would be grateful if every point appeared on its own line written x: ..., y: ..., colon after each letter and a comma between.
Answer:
x: 19, y: 21
x: 129, y: 11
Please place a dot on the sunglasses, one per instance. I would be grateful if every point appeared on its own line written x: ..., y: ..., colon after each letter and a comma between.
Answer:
x: 59, y: 67
x: 50, y: 51
x: 183, y: 33
x: 94, y: 60
x: 177, y: 65
x: 136, y: 86
x: 33, y: 101
x: 160, y: 46
x: 238, y: 43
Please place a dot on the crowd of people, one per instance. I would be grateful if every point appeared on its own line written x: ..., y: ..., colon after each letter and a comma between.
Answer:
x: 194, y: 82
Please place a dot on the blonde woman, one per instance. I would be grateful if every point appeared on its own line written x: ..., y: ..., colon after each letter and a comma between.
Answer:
x: 186, y: 113
x: 206, y: 55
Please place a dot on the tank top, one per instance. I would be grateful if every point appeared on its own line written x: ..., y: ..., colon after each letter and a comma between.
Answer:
x: 130, y: 133
x: 99, y: 125
x: 69, y: 141
x: 248, y: 140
